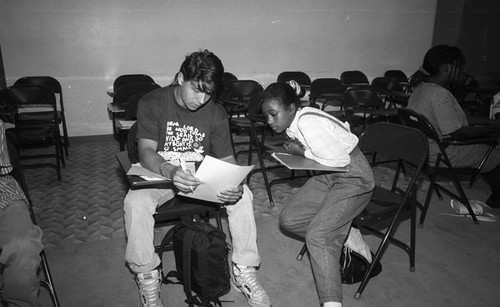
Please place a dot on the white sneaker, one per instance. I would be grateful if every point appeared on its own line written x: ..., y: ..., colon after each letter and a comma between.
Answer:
x: 150, y: 288
x: 245, y: 281
x: 356, y: 243
x: 482, y: 211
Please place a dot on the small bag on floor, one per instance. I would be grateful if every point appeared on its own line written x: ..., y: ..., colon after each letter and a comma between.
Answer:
x: 201, y: 260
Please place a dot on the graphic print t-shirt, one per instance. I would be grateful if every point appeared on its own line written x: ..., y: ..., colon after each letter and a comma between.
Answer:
x: 181, y: 132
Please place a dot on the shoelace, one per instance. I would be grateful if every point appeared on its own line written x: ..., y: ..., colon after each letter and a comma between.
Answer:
x: 152, y: 294
x: 248, y: 275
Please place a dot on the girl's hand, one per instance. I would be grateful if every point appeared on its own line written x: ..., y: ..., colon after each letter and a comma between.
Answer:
x: 231, y: 195
x: 294, y: 148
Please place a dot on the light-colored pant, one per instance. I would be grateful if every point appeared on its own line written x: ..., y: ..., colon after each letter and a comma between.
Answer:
x: 322, y: 212
x: 140, y: 206
x: 21, y: 244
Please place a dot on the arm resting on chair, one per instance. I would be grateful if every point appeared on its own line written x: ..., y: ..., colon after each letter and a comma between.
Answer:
x: 470, y: 132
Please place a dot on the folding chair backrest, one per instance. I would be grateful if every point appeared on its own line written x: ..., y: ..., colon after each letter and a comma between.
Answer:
x: 353, y: 77
x: 242, y: 89
x: 131, y: 78
x: 47, y: 81
x: 30, y: 96
x: 254, y: 108
x: 131, y: 106
x: 380, y: 85
x: 362, y: 97
x: 398, y: 75
x: 226, y: 78
x: 326, y: 86
x: 398, y: 141
x: 413, y: 119
x: 299, y: 76
x: 127, y: 90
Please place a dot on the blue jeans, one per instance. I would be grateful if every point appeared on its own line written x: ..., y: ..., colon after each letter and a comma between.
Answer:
x: 322, y: 212
x: 21, y: 244
x: 140, y: 206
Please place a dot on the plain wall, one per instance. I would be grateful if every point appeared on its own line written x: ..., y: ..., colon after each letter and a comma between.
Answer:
x: 474, y: 27
x: 87, y: 44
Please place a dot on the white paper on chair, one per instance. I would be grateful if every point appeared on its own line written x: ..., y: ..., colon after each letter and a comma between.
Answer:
x: 215, y: 176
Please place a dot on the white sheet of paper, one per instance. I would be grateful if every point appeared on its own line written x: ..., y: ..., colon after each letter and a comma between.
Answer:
x: 215, y: 176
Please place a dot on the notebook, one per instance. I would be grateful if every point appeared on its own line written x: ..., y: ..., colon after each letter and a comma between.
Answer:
x: 295, y: 162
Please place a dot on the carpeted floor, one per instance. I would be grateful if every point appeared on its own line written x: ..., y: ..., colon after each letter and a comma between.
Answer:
x: 87, y: 205
x: 82, y: 220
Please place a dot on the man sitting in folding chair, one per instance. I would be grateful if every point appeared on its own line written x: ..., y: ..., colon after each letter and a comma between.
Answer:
x: 177, y: 123
x: 443, y: 68
x: 20, y: 239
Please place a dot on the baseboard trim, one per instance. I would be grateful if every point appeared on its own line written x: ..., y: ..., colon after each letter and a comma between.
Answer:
x: 91, y: 139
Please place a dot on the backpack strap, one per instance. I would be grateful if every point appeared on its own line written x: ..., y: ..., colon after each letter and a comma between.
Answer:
x: 186, y: 263
x: 331, y: 118
x: 167, y: 239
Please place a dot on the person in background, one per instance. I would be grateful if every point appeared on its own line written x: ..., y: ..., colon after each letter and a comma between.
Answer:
x: 442, y: 69
x: 323, y: 209
x: 20, y: 239
x: 183, y: 122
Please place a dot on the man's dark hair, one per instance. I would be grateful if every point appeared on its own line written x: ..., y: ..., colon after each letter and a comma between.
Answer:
x: 205, y: 70
x: 440, y: 55
x: 434, y: 58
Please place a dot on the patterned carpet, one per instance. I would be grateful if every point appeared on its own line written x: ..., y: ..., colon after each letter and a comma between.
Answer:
x: 87, y: 206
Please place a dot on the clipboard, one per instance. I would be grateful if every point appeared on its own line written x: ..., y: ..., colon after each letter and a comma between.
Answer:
x: 295, y: 162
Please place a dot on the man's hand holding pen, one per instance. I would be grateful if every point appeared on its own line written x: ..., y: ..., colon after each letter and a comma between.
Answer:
x: 183, y: 179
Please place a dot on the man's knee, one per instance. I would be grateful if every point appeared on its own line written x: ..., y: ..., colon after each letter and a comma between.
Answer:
x: 134, y: 203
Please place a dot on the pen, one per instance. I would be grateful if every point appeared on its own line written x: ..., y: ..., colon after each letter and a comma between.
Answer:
x: 184, y: 169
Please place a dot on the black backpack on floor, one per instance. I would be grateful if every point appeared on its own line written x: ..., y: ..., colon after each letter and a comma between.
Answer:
x: 201, y: 260
x: 354, y: 266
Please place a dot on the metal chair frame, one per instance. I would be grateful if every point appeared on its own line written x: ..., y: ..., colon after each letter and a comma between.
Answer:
x: 18, y: 174
x: 443, y: 166
x: 55, y: 86
x: 28, y: 122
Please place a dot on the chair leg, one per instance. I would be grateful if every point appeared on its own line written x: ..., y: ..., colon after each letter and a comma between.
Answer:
x: 432, y: 188
x: 464, y: 199
x: 59, y: 156
x: 48, y: 282
x: 427, y: 202
x: 413, y: 222
x: 478, y: 170
x: 65, y: 133
x: 302, y: 252
x: 262, y: 166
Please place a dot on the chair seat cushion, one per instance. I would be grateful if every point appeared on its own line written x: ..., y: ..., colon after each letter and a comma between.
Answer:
x: 382, y: 206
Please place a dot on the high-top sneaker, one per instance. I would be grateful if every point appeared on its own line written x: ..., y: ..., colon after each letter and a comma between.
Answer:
x: 150, y: 288
x: 245, y: 281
